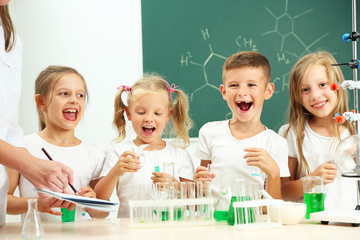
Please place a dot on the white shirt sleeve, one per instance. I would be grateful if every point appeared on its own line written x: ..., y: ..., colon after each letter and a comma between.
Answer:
x: 202, y: 149
x: 110, y: 161
x: 290, y: 139
x: 99, y: 154
x: 186, y: 166
x: 281, y: 157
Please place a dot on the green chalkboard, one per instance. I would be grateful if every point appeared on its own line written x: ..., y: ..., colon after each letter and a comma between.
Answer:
x: 187, y: 42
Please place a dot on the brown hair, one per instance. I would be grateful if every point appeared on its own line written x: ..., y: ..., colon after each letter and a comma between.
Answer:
x: 298, y: 115
x: 9, y: 31
x: 46, y: 82
x: 248, y: 59
x: 180, y: 105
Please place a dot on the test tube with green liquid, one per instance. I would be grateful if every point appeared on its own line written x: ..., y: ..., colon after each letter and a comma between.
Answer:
x: 156, y: 160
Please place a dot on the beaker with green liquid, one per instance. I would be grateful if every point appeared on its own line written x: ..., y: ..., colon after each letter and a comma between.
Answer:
x: 314, y: 196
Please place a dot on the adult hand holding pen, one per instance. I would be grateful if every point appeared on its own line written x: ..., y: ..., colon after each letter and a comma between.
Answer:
x: 53, y: 175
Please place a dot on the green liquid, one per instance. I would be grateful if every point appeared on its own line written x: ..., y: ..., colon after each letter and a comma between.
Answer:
x: 240, y: 212
x: 165, y: 215
x: 314, y: 203
x: 157, y: 169
x: 67, y: 216
x: 220, y: 216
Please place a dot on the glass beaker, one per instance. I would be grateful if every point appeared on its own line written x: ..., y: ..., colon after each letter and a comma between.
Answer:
x: 314, y: 196
x: 32, y: 228
x: 223, y: 198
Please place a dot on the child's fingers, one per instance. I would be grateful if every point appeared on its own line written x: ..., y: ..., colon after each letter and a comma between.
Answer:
x: 87, y: 192
x: 201, y: 168
x: 330, y: 166
x: 204, y: 179
x: 253, y: 149
x: 203, y: 174
x: 84, y: 190
x: 130, y: 159
x: 128, y: 153
x: 130, y: 165
x: 252, y: 154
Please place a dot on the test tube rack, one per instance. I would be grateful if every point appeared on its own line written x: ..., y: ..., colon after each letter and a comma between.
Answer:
x: 249, y: 214
x: 175, y: 204
x: 171, y: 212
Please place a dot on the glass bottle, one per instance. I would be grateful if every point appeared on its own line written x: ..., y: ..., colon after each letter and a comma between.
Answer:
x: 32, y: 228
x: 223, y: 199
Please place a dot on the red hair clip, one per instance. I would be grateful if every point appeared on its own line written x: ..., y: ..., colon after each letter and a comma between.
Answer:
x: 335, y: 86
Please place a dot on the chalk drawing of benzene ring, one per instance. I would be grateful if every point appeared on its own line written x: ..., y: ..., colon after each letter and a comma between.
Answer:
x: 213, y: 56
x: 203, y: 66
x: 284, y: 27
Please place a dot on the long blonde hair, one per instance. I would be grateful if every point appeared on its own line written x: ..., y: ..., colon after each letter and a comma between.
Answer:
x: 7, y: 25
x: 46, y: 82
x: 298, y: 115
x: 180, y: 106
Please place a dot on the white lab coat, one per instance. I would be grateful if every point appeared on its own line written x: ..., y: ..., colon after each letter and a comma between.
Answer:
x: 10, y: 89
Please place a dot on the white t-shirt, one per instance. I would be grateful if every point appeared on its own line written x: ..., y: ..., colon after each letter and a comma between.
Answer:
x: 10, y: 89
x: 86, y: 161
x: 226, y: 153
x: 317, y: 149
x: 183, y: 168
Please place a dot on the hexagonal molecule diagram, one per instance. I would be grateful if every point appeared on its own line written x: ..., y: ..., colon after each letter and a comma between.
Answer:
x: 284, y: 28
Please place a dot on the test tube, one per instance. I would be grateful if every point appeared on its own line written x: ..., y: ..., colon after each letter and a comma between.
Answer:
x: 156, y: 160
x: 208, y: 207
x: 139, y: 152
x: 168, y: 169
x: 255, y: 171
x: 162, y: 211
x: 182, y: 195
x: 208, y: 167
x: 200, y: 208
x: 191, y: 195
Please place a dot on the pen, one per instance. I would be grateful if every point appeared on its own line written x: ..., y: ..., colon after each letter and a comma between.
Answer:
x: 50, y: 158
x: 72, y: 187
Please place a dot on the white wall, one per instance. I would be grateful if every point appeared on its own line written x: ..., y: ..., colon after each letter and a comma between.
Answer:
x: 101, y: 39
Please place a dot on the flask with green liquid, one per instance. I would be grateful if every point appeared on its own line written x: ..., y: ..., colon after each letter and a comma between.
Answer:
x: 223, y: 199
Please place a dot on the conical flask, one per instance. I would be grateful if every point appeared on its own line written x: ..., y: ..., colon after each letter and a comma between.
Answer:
x: 223, y: 198
x: 32, y: 228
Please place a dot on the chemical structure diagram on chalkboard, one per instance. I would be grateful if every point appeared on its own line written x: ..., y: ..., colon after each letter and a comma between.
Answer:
x: 283, y: 26
x: 186, y: 59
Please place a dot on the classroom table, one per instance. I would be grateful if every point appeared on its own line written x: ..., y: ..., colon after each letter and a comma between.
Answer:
x: 120, y: 229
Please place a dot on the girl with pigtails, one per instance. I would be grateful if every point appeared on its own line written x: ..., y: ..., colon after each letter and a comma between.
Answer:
x: 151, y: 103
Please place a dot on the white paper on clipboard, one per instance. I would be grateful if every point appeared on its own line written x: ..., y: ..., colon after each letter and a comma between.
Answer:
x: 97, y: 204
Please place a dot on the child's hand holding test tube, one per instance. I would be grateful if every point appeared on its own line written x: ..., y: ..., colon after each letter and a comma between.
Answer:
x: 203, y: 175
x: 129, y: 161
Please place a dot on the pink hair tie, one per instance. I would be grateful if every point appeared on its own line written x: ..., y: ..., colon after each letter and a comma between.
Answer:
x: 127, y: 89
x: 171, y: 88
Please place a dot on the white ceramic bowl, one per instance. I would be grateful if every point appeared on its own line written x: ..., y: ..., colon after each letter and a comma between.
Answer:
x: 290, y: 212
